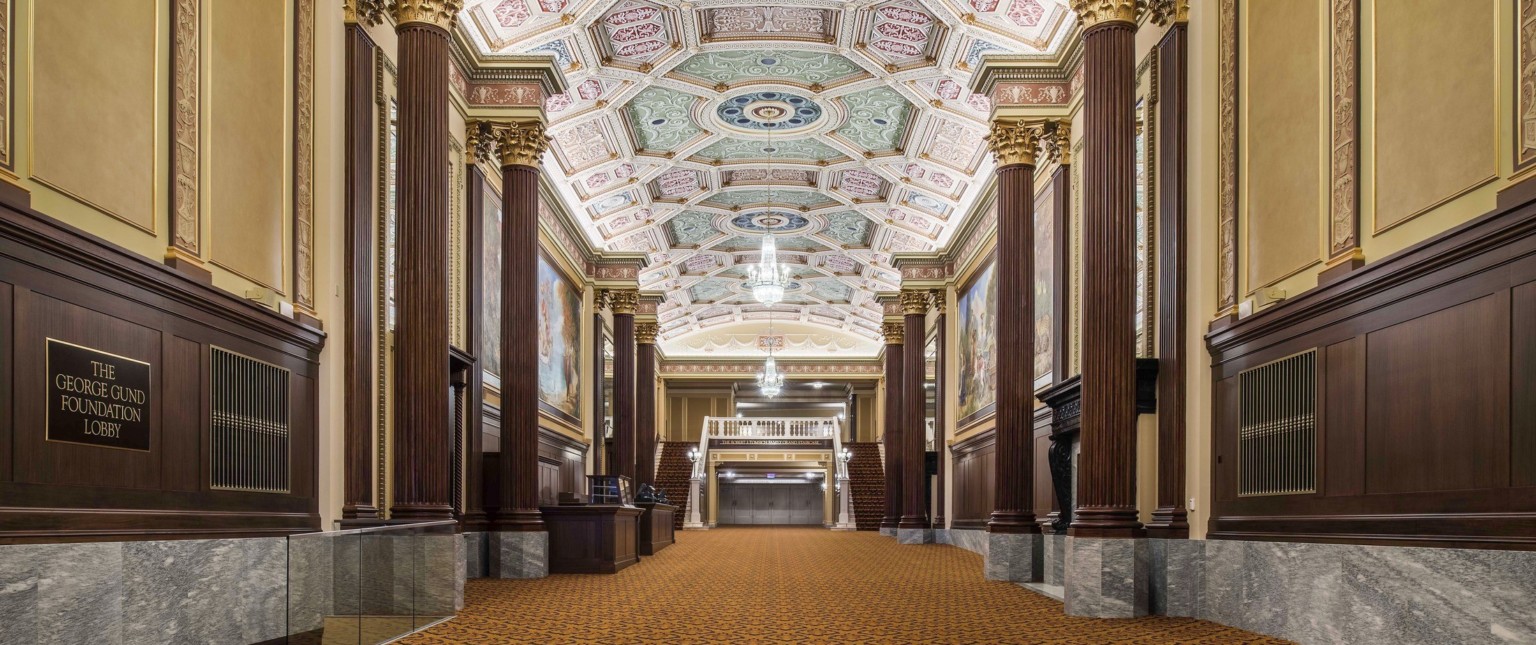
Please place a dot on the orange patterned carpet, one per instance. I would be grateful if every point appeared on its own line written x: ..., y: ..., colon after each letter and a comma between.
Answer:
x: 793, y: 585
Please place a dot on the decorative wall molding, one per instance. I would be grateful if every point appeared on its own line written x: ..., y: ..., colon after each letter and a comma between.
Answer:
x: 304, y: 156
x: 1344, y: 142
x: 186, y: 125
x: 1226, y: 154
x: 1525, y: 94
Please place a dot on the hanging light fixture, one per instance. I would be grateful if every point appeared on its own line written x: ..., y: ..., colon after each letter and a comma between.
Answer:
x: 768, y: 279
x: 770, y: 381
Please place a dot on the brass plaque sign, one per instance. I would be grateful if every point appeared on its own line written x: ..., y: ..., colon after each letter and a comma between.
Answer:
x: 96, y: 398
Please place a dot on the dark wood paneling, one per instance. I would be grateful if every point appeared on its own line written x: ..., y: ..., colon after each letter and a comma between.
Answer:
x: 1170, y: 518
x: 1437, y: 400
x: 592, y: 539
x: 1522, y: 440
x: 1045, y: 493
x: 1425, y: 412
x: 58, y: 282
x: 974, y: 480
x: 357, y: 356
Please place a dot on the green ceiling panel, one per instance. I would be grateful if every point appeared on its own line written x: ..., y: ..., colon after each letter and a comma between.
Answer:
x: 848, y: 228
x: 832, y: 291
x: 761, y: 196
x: 877, y: 119
x: 661, y: 120
x: 749, y: 150
x: 711, y: 290
x: 801, y: 67
x: 691, y: 228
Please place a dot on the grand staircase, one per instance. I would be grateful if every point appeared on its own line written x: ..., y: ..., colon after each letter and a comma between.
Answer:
x: 673, y: 474
x: 868, y: 480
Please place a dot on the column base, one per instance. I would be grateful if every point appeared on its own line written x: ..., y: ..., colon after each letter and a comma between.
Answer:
x: 1107, y: 577
x: 914, y: 536
x: 845, y: 526
x: 694, y: 526
x: 1014, y: 557
x: 888, y: 531
x: 1055, y: 559
x: 1174, y: 592
x: 519, y: 555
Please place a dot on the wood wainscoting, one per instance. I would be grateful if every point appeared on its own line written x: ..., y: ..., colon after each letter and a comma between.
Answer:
x: 1425, y: 395
x: 975, y: 469
x: 562, y: 463
x: 60, y: 284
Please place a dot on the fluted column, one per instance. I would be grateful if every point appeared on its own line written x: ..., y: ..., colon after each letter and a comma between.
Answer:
x: 623, y: 303
x: 519, y: 146
x: 1108, y: 572
x: 423, y: 443
x: 913, y: 526
x: 1106, y: 501
x: 1015, y: 144
x: 893, y: 427
x: 645, y: 403
x: 357, y: 352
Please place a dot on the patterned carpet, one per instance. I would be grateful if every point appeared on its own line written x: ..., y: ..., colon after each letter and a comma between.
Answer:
x: 792, y: 585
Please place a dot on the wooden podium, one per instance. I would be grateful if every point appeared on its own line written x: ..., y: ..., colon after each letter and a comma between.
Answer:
x: 592, y: 539
x: 656, y: 527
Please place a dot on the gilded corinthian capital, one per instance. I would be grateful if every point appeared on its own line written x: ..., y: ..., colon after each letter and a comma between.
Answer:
x: 1166, y: 11
x: 892, y: 331
x: 1014, y: 142
x: 1097, y: 12
x: 645, y: 333
x: 368, y: 12
x: 623, y: 301
x: 914, y: 302
x: 433, y: 12
x: 520, y: 143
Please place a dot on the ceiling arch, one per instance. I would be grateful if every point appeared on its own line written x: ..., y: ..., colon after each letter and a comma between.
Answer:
x: 691, y: 126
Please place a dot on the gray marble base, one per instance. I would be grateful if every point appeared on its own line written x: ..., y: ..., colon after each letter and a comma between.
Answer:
x: 311, y: 581
x: 164, y: 591
x: 941, y: 536
x: 1107, y: 578
x: 519, y: 554
x: 972, y: 540
x: 1013, y: 557
x: 1329, y: 593
x: 914, y: 536
x: 475, y: 555
x: 1175, y: 568
x: 437, y: 589
x: 888, y: 531
x: 1055, y: 568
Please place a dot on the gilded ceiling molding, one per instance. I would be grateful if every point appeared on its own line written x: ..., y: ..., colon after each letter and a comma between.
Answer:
x: 1525, y: 57
x: 1015, y: 142
x: 304, y: 157
x: 1344, y: 165
x: 438, y: 13
x: 1099, y: 12
x: 645, y: 332
x: 186, y: 219
x: 623, y: 301
x: 914, y: 303
x: 1056, y: 143
x: 1165, y: 12
x: 366, y: 12
x: 1226, y: 154
x: 520, y: 143
x: 892, y: 331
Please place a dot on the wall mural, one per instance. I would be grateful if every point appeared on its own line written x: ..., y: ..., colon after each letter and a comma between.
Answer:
x: 559, y: 343
x: 978, y: 346
x: 490, y: 282
x: 1045, y: 245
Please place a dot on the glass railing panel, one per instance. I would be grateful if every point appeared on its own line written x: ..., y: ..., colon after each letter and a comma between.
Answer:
x: 370, y: 586
x: 436, y: 574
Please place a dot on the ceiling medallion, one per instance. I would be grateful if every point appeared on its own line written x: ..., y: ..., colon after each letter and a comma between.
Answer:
x: 777, y: 221
x: 769, y: 111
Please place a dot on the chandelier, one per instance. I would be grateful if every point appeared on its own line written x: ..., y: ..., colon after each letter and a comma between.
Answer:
x: 768, y: 279
x: 770, y: 381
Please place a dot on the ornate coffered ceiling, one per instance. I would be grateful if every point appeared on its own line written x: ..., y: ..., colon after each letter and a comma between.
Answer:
x: 692, y: 127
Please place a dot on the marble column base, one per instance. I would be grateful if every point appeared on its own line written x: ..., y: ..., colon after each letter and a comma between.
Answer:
x: 973, y: 540
x: 914, y: 536
x: 1055, y: 569
x: 941, y: 536
x: 888, y: 531
x: 1107, y: 578
x: 1175, y: 577
x: 519, y: 555
x: 1013, y: 557
x: 475, y: 555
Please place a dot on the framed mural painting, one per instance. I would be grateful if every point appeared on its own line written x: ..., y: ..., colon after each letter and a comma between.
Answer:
x: 559, y: 341
x: 977, y: 346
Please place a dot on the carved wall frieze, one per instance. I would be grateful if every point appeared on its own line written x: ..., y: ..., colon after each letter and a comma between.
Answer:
x: 186, y: 227
x: 1015, y: 142
x: 439, y: 13
x: 1226, y: 222
x: 304, y: 156
x: 1344, y: 143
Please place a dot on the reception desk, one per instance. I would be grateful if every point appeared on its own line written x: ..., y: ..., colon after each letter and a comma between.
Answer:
x: 656, y: 527
x: 592, y: 539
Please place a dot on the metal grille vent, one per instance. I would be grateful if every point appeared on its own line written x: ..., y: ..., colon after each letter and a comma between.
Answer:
x: 1277, y: 431
x: 250, y: 434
